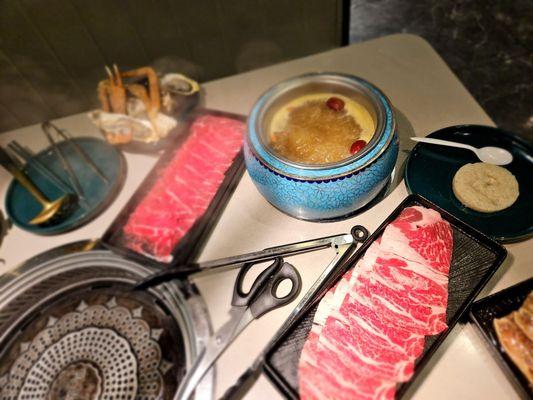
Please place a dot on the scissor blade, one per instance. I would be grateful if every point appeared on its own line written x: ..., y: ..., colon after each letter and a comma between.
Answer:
x: 214, y: 348
x: 255, y: 257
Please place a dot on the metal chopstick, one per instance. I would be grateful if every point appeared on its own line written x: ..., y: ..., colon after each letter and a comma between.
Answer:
x: 19, y: 164
x: 68, y: 138
x: 42, y: 169
x: 27, y: 156
x: 72, y: 176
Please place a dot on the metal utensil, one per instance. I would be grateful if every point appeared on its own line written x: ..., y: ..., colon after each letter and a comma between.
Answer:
x: 246, y: 307
x: 43, y: 170
x: 488, y: 154
x: 68, y: 138
x: 59, y: 153
x: 182, y: 271
x: 249, y: 376
x: 18, y: 164
x: 51, y: 209
x: 22, y: 152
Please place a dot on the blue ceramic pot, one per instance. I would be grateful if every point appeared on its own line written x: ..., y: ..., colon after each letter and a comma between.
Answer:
x: 327, y: 191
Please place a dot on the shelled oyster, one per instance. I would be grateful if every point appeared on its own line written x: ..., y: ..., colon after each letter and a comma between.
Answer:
x: 135, y: 104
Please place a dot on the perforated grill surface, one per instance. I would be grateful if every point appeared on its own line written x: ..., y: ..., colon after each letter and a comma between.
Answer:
x: 104, y: 351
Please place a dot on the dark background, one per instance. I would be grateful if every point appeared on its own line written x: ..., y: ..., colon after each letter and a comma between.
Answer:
x: 52, y: 52
x: 488, y: 44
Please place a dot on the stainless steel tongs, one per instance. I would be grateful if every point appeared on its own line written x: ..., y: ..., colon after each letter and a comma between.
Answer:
x: 338, y: 242
x: 259, y: 300
x: 47, y: 128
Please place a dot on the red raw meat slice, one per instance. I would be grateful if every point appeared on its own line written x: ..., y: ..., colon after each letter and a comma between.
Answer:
x: 403, y: 305
x: 425, y: 234
x: 398, y: 273
x: 344, y: 382
x: 185, y: 188
x: 367, y: 354
x: 394, y: 297
x: 431, y: 295
x: 331, y: 374
x: 404, y: 338
x: 331, y: 301
x: 327, y: 305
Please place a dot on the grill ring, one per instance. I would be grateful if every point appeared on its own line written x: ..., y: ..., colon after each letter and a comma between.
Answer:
x: 67, y: 282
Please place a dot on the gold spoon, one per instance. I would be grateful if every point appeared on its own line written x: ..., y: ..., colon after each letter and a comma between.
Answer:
x: 50, y: 208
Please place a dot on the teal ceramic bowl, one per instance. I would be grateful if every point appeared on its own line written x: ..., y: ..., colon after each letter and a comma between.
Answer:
x: 21, y: 206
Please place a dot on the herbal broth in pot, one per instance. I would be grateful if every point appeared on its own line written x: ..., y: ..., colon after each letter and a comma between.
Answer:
x: 320, y: 146
x: 320, y: 128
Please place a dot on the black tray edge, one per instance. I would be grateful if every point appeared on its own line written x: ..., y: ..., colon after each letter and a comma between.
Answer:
x: 496, y: 353
x: 189, y: 247
x: 474, y: 234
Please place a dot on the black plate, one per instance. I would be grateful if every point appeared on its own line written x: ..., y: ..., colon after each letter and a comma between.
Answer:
x: 430, y: 170
x: 498, y: 305
x: 475, y: 258
x: 190, y: 245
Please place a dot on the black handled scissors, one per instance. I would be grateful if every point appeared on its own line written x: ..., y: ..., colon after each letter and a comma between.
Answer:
x: 260, y: 299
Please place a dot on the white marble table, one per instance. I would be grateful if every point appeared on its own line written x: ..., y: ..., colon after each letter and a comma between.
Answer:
x: 427, y: 96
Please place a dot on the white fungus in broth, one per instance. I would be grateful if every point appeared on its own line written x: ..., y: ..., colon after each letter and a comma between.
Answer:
x: 320, y: 129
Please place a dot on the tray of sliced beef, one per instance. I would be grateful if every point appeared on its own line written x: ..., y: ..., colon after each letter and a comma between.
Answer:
x: 505, y: 321
x: 170, y: 215
x: 373, y: 323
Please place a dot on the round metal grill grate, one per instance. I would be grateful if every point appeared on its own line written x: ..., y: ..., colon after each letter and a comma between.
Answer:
x: 119, y: 345
x: 109, y: 353
x: 72, y: 329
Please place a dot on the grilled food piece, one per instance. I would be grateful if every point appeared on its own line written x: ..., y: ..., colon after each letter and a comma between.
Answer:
x: 515, y: 342
x: 524, y: 317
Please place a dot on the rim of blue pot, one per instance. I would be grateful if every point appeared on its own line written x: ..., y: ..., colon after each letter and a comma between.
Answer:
x: 385, y: 128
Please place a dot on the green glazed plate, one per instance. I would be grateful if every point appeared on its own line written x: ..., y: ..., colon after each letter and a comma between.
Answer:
x: 21, y: 207
x: 430, y: 169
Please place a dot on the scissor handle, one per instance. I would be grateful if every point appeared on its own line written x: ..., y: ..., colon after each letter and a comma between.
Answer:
x: 262, y: 297
x: 359, y: 233
x: 267, y: 300
x: 240, y: 298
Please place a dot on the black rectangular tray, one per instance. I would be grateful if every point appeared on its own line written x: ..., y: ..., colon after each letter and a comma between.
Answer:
x: 189, y: 247
x: 475, y: 258
x: 497, y: 305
